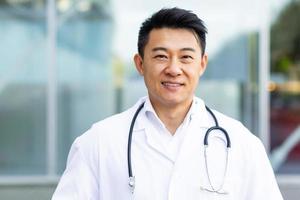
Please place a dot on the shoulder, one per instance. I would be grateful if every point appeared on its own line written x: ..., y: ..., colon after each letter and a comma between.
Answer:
x: 113, y: 128
x: 246, y: 147
x: 117, y: 122
x: 238, y: 132
x: 236, y: 129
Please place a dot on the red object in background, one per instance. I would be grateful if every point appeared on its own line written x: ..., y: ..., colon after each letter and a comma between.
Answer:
x: 283, y: 122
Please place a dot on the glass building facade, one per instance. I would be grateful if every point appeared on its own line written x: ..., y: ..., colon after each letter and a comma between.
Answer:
x: 66, y: 64
x: 285, y: 90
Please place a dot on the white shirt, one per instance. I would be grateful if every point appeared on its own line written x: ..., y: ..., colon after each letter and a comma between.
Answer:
x: 97, y: 163
x: 166, y: 142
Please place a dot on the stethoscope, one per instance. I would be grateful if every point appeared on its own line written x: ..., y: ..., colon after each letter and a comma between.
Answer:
x: 213, y: 189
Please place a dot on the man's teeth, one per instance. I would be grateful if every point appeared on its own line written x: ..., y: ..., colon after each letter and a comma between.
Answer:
x: 171, y: 84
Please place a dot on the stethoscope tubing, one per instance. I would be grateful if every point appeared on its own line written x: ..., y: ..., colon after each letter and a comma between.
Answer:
x: 205, y: 142
x: 131, y: 178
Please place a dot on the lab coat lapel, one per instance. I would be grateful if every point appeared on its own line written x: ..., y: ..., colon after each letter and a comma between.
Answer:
x: 187, y: 168
x: 189, y: 174
x: 152, y: 141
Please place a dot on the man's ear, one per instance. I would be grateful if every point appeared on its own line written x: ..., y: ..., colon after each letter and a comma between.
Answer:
x: 138, y: 61
x: 203, y: 63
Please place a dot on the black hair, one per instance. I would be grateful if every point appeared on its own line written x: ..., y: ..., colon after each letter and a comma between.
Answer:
x: 172, y: 18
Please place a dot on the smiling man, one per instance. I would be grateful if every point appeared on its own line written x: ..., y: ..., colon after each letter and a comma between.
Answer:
x: 169, y: 145
x: 171, y: 64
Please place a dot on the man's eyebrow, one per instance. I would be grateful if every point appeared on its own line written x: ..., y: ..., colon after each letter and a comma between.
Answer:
x: 159, y: 49
x: 188, y: 49
x: 165, y: 49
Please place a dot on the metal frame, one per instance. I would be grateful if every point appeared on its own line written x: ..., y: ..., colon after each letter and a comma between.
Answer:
x: 51, y: 89
x: 288, y: 179
x: 51, y: 132
x: 264, y: 98
x: 28, y: 180
x: 263, y: 74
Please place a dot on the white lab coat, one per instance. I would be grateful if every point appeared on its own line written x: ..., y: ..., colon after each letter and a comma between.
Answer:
x: 97, y: 163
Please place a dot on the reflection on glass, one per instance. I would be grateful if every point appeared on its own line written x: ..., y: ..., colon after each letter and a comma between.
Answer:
x: 93, y: 83
x: 230, y: 83
x: 85, y: 87
x: 285, y: 90
x: 22, y: 87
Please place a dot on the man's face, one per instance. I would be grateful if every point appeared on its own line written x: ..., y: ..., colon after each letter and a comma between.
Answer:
x: 171, y: 66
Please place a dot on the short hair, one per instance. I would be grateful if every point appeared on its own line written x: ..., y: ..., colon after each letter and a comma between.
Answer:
x: 172, y: 18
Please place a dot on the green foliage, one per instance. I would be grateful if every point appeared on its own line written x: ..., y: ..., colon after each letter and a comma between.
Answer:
x: 283, y: 65
x: 285, y: 38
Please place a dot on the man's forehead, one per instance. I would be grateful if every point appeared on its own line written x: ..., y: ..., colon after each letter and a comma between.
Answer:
x: 165, y: 33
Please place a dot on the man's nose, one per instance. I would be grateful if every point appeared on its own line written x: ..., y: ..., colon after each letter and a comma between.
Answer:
x: 174, y: 67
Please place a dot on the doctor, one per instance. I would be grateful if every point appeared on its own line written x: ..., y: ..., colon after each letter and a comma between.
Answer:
x: 166, y: 154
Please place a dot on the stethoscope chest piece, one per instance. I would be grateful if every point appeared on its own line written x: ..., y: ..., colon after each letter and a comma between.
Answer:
x: 131, y: 183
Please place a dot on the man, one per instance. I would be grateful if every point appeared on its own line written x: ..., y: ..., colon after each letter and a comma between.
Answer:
x: 166, y: 156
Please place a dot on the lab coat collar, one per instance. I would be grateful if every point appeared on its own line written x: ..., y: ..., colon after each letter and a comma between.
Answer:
x: 198, y: 113
x: 148, y: 108
x: 201, y: 115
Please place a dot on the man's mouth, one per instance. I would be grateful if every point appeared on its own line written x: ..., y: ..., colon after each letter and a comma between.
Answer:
x: 171, y: 84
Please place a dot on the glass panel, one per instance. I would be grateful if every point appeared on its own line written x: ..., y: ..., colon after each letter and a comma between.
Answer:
x: 93, y: 83
x: 85, y: 87
x: 285, y: 90
x: 232, y: 46
x: 230, y: 81
x: 22, y: 87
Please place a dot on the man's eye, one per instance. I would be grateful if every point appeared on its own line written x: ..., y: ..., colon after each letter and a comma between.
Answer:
x: 187, y: 57
x: 160, y: 57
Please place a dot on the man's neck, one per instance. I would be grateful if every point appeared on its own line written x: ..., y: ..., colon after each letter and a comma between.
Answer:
x: 172, y: 116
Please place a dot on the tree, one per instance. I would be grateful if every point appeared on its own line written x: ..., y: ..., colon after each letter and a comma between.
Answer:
x: 285, y: 40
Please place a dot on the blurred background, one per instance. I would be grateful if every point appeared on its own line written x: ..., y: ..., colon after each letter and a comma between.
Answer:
x: 66, y: 64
